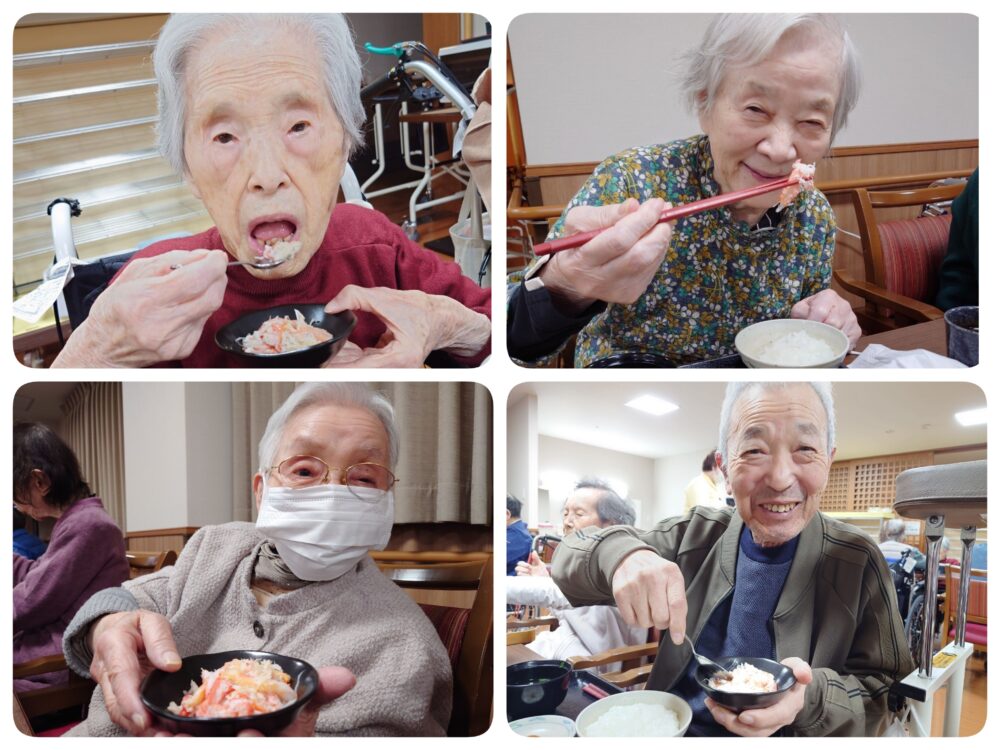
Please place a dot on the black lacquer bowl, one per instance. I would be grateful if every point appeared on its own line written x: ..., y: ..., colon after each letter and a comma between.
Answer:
x: 339, y: 325
x: 536, y: 687
x: 783, y: 676
x: 160, y: 688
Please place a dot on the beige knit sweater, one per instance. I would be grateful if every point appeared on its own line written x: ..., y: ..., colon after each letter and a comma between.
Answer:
x: 361, y: 621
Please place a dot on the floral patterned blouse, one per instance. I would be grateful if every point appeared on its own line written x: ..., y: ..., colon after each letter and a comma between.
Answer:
x: 719, y: 274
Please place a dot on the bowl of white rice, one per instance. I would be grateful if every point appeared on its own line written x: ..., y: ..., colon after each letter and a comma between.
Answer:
x: 638, y: 713
x: 790, y: 342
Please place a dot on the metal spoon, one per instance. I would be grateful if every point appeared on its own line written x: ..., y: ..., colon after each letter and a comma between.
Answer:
x: 717, y: 671
x: 261, y: 265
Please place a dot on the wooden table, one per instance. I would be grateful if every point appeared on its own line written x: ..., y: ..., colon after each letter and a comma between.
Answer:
x: 519, y: 653
x: 930, y: 336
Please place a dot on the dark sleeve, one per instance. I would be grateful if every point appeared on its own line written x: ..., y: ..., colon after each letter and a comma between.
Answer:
x: 959, y: 282
x: 535, y: 328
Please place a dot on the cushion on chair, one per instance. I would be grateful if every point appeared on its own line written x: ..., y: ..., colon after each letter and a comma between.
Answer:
x: 974, y: 633
x: 449, y: 622
x: 913, y: 250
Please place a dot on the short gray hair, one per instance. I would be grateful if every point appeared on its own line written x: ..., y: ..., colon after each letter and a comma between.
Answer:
x: 611, y: 507
x: 318, y: 394
x: 735, y: 391
x: 895, y: 529
x: 747, y: 38
x: 185, y: 31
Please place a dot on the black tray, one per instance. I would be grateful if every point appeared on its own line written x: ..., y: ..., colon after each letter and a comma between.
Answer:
x: 576, y: 700
x: 731, y: 360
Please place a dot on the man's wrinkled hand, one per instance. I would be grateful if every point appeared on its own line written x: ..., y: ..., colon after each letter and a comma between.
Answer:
x: 830, y: 308
x: 616, y: 266
x: 416, y: 324
x: 151, y: 313
x: 649, y: 592
x: 763, y: 722
x: 127, y: 646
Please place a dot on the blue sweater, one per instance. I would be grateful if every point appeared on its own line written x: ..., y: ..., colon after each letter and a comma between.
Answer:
x: 741, y: 624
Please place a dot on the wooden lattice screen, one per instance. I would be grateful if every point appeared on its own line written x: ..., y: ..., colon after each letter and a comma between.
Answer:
x: 857, y: 485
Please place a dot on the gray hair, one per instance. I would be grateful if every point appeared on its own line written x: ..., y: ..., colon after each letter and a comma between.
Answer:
x: 742, y: 39
x: 184, y: 32
x: 314, y: 394
x: 611, y: 507
x: 895, y: 529
x: 735, y: 391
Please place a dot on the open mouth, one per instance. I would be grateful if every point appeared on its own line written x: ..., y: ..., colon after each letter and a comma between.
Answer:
x: 270, y: 232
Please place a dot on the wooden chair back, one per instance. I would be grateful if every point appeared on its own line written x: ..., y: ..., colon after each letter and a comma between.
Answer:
x: 902, y: 257
x: 36, y: 704
x: 636, y: 663
x: 975, y: 613
x: 141, y: 563
x: 472, y: 664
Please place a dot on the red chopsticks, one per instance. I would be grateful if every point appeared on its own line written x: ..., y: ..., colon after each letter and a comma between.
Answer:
x: 673, y: 213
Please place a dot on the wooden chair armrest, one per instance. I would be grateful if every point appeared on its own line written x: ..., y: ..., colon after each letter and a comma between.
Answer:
x: 629, y: 677
x: 41, y: 665
x: 624, y: 653
x: 910, y: 308
x: 550, y: 622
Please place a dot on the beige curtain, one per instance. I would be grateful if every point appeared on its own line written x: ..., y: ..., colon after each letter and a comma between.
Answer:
x: 92, y: 427
x: 445, y: 466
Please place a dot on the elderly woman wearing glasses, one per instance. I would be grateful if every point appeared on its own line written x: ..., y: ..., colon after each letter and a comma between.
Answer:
x: 259, y: 113
x: 299, y: 582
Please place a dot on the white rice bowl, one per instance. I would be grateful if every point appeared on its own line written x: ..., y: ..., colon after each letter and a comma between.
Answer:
x: 788, y: 342
x: 639, y: 713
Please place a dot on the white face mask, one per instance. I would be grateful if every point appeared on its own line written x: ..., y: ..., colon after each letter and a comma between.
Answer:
x: 322, y: 532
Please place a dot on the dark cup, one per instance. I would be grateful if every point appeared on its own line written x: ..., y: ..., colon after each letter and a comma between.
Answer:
x: 535, y: 688
x: 962, y: 331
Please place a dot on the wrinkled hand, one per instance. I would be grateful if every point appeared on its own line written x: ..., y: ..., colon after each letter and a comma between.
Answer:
x: 151, y: 313
x: 617, y: 265
x: 533, y: 567
x: 416, y: 325
x: 830, y: 308
x: 649, y: 592
x: 333, y: 683
x: 763, y: 722
x: 127, y: 646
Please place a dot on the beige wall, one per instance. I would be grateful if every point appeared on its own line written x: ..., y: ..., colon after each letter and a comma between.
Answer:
x: 591, y: 85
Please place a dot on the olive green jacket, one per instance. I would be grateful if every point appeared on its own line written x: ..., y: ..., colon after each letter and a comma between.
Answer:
x: 837, y: 610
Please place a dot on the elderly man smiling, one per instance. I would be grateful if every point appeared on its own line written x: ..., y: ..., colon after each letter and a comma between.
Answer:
x: 300, y: 583
x: 260, y: 114
x: 773, y: 578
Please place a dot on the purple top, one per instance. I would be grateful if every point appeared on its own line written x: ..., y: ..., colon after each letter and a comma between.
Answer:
x: 85, y: 555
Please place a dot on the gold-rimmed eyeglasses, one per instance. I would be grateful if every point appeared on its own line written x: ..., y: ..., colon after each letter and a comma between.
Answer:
x: 308, y: 471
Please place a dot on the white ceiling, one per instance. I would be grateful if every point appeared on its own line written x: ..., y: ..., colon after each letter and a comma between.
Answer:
x: 873, y: 419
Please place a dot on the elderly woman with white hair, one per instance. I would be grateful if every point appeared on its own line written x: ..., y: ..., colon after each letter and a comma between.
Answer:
x: 260, y: 113
x: 299, y: 583
x: 768, y: 89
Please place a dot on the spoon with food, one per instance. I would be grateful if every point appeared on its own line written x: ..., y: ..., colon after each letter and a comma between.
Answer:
x: 275, y: 253
x: 718, y: 673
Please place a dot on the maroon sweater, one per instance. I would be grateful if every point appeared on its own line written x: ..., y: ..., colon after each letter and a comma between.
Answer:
x: 361, y: 247
x: 86, y: 554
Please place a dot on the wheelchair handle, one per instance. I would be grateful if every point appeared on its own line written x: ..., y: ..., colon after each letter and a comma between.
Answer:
x: 395, y: 50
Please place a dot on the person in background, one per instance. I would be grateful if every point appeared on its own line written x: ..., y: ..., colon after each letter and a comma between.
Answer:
x: 893, y: 546
x: 518, y: 536
x: 708, y: 488
x: 86, y: 551
x: 959, y: 284
x: 26, y: 544
x: 582, y: 631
